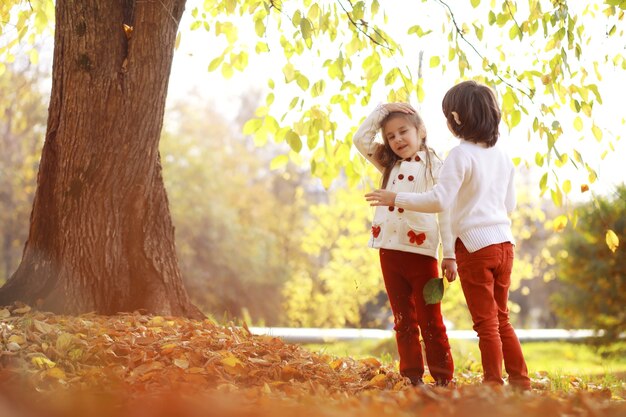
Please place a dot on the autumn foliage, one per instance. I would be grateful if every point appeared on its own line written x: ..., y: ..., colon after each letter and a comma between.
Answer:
x: 139, y: 365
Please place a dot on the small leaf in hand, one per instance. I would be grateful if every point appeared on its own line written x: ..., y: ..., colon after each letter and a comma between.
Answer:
x: 433, y: 291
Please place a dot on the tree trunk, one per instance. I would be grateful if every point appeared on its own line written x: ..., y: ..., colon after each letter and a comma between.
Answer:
x: 101, y: 237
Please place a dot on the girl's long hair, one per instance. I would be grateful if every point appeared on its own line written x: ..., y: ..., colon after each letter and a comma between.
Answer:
x: 386, y: 157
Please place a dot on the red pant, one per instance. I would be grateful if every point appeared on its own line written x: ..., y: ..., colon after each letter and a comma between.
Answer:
x: 485, y: 278
x: 405, y: 275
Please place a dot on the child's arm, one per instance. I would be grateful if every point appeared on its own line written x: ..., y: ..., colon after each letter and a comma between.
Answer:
x: 510, y: 201
x: 448, y: 263
x: 434, y: 201
x: 364, y: 137
x: 445, y: 231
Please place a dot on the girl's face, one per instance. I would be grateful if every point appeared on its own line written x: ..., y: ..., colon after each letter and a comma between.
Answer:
x: 403, y: 137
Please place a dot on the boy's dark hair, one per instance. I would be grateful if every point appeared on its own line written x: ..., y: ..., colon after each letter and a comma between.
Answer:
x: 477, y: 112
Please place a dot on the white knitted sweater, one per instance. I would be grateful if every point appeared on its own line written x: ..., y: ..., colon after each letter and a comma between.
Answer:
x: 476, y: 184
x: 395, y: 227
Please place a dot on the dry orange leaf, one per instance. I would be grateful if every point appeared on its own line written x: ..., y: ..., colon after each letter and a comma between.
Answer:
x: 191, y: 368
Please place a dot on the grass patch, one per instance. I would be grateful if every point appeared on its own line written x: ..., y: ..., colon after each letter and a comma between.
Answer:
x: 566, y: 365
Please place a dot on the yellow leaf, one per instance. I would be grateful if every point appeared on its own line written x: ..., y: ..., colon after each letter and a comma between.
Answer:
x: 567, y: 186
x: 16, y: 338
x: 373, y: 362
x: 612, y: 241
x: 128, y: 31
x: 42, y: 362
x: 168, y: 347
x: 379, y: 381
x: 559, y: 223
x: 337, y: 363
x: 43, y: 327
x: 230, y: 360
x: 182, y: 363
x: 596, y: 132
x: 64, y: 341
x: 578, y: 123
x: 56, y: 373
x: 156, y: 321
x: 22, y: 310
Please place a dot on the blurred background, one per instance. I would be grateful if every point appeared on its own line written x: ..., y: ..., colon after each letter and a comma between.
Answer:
x: 262, y: 240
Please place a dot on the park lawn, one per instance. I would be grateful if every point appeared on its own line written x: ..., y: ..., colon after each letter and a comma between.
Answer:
x: 567, y: 364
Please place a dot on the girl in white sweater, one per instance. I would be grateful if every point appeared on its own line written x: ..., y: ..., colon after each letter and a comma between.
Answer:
x: 409, y: 241
x: 476, y: 184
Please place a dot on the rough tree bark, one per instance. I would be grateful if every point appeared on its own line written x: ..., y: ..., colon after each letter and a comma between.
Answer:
x: 101, y: 237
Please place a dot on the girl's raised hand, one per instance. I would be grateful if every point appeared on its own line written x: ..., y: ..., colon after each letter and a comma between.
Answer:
x: 400, y: 107
x: 381, y: 198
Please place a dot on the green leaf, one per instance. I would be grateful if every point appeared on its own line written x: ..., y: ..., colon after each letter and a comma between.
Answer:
x: 358, y: 11
x: 293, y: 140
x: 297, y: 18
x: 434, y: 61
x: 543, y: 183
x: 227, y: 70
x: 375, y: 6
x: 514, y: 32
x: 539, y: 159
x: 252, y: 125
x: 391, y: 76
x: 596, y: 132
x: 279, y: 162
x: 259, y: 27
x: 557, y: 197
x: 516, y: 117
x: 302, y: 81
x: 318, y: 88
x: 215, y: 63
x: 475, y: 3
x: 567, y: 186
x: 261, y: 47
x: 289, y: 72
x: 306, y: 28
x: 293, y: 103
x: 433, y: 291
x: 578, y: 123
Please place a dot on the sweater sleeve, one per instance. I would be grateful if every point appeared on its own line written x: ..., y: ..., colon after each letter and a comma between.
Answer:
x: 445, y: 227
x: 511, y: 200
x: 440, y: 198
x: 364, y: 137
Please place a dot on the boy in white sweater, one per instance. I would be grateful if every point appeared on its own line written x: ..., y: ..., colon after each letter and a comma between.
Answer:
x: 476, y: 184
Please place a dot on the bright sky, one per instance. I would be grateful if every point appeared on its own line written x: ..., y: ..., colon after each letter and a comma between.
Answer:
x: 197, y: 48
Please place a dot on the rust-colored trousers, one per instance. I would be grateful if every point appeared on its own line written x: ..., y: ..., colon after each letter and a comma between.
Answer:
x: 405, y: 275
x: 485, y: 278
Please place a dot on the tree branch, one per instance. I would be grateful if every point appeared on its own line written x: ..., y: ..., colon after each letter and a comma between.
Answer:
x: 363, y: 23
x: 460, y: 33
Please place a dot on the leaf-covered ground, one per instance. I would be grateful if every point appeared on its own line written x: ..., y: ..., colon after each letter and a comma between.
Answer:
x: 138, y: 365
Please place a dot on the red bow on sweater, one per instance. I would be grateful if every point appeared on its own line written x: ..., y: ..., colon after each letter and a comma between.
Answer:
x: 417, y: 238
